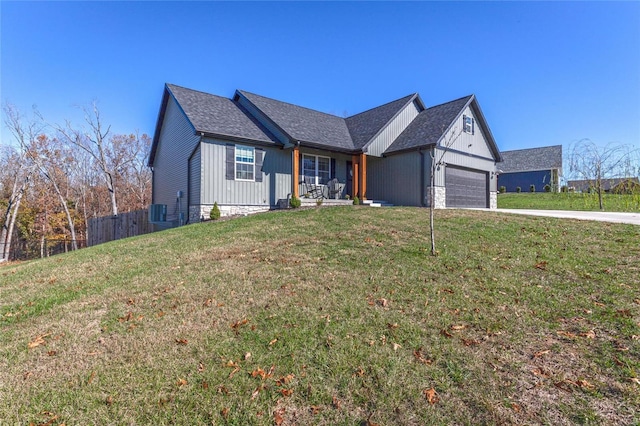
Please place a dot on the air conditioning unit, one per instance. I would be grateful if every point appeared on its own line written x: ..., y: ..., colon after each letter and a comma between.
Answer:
x: 158, y: 213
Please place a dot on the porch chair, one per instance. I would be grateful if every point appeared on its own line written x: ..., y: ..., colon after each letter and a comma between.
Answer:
x: 314, y: 191
x: 333, y: 188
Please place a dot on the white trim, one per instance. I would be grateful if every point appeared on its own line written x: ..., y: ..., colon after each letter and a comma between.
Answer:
x: 236, y: 162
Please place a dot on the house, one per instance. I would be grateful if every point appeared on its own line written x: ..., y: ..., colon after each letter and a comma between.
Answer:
x: 250, y: 153
x: 624, y: 185
x: 535, y: 166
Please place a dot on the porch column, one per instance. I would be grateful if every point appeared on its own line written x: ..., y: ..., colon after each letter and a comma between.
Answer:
x: 363, y: 176
x: 295, y: 179
x: 356, y: 175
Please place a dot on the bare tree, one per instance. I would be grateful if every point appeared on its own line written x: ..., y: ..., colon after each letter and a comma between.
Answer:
x: 595, y: 164
x: 94, y: 142
x: 19, y: 171
x: 437, y: 153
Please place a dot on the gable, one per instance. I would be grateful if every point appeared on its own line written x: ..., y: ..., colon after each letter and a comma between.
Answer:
x: 304, y: 125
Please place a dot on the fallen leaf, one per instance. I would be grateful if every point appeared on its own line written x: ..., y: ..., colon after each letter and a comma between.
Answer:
x: 542, y: 265
x: 205, y: 385
x: 284, y: 380
x: 127, y: 317
x: 39, y: 340
x: 418, y: 356
x: 634, y: 380
x: 458, y: 327
x: 335, y: 402
x: 278, y: 416
x: 566, y: 334
x: 259, y: 372
x: 315, y: 409
x: 91, y: 377
x: 445, y: 333
x: 181, y: 382
x: 470, y: 342
x: 589, y: 334
x: 247, y: 356
x: 109, y: 400
x: 396, y: 346
x: 539, y: 372
x: 272, y: 342
x: 224, y: 412
x: 382, y: 302
x: 286, y: 392
x: 200, y: 367
x: 233, y: 373
x: 431, y: 395
x: 51, y: 353
x: 359, y: 372
x: 541, y: 353
x: 448, y: 290
x: 131, y: 302
x: 182, y: 341
x: 255, y: 393
x: 392, y: 326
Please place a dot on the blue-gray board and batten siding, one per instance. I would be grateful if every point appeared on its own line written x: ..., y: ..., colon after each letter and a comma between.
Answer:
x: 524, y: 180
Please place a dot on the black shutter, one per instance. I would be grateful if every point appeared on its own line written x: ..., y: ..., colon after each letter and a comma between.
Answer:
x: 333, y: 168
x: 231, y: 162
x: 258, y: 166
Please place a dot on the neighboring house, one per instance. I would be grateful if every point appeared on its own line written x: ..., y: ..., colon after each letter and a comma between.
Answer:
x: 535, y: 166
x: 251, y: 153
x: 616, y: 185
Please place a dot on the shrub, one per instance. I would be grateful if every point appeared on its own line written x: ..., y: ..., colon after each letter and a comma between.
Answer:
x: 503, y: 189
x: 319, y: 202
x: 532, y: 188
x: 518, y: 189
x: 356, y: 201
x: 214, y: 214
x: 564, y: 188
x: 295, y: 202
x: 547, y: 188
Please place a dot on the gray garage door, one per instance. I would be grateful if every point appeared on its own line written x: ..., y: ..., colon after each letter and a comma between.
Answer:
x: 466, y: 188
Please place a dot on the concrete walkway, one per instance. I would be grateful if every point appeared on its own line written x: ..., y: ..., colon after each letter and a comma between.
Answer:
x: 631, y: 218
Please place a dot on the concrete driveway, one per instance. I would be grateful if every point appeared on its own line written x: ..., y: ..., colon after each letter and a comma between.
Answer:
x: 631, y: 218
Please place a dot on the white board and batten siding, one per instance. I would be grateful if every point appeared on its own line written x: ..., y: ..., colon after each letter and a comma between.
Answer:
x: 215, y: 187
x: 381, y: 142
x: 177, y: 140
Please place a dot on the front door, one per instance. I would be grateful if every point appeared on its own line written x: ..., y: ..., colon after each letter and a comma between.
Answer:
x: 349, y: 185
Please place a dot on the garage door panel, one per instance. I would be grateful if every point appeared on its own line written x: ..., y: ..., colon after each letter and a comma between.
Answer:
x: 466, y: 188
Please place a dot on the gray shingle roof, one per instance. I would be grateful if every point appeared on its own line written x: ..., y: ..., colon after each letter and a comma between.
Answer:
x: 429, y: 126
x: 364, y: 126
x: 215, y: 115
x: 304, y: 124
x: 526, y: 160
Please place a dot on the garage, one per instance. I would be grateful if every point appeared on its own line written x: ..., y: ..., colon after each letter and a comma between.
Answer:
x: 466, y: 188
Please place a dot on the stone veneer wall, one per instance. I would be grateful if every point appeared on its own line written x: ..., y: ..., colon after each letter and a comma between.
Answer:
x: 197, y: 212
x: 441, y: 197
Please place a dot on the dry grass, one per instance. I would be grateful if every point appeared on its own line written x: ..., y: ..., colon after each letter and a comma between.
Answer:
x: 330, y: 316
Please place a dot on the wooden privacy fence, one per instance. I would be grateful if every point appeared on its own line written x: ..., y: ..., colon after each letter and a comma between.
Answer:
x: 110, y: 228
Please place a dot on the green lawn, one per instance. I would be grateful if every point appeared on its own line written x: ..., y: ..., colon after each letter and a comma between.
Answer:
x: 330, y: 316
x: 569, y: 201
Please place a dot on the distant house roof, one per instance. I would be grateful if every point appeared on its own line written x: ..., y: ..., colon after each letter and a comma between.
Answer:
x: 607, y: 184
x: 366, y: 125
x: 532, y: 159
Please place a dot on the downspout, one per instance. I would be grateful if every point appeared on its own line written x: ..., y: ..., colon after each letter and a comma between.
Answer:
x: 422, y: 187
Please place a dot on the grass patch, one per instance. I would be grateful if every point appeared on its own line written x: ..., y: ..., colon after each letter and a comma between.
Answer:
x: 569, y: 201
x: 330, y: 316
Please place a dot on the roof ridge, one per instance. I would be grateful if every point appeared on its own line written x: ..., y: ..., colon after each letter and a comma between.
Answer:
x: 450, y: 102
x: 197, y: 91
x: 412, y: 95
x: 289, y: 103
x: 528, y: 149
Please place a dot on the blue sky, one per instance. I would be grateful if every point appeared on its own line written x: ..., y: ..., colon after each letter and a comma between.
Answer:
x: 545, y: 73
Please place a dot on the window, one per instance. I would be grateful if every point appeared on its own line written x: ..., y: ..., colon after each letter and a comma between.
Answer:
x: 469, y: 125
x: 317, y: 168
x: 245, y: 161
